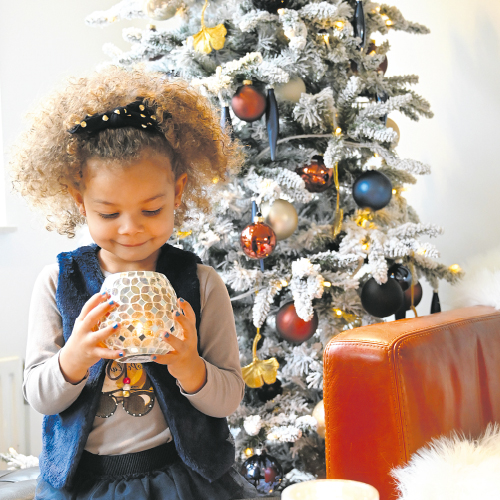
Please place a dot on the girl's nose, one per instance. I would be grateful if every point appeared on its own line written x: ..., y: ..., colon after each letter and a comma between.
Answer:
x: 129, y: 225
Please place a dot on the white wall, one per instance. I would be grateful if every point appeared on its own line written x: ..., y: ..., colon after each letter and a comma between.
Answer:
x: 40, y: 43
x: 459, y: 69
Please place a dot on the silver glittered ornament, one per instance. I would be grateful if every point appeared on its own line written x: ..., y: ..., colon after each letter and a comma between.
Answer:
x: 147, y: 303
x: 161, y: 10
x: 282, y: 217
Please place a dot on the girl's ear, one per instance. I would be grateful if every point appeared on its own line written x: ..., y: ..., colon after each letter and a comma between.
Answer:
x: 180, y: 184
x: 77, y: 196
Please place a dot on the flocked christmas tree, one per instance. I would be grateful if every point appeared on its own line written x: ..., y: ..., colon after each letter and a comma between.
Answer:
x: 301, y: 85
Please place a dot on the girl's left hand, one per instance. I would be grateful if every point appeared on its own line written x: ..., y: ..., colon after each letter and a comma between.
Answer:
x: 184, y: 363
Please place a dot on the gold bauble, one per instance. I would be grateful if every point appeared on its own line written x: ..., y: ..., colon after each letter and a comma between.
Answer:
x: 290, y: 91
x: 319, y: 414
x: 282, y: 217
x: 392, y: 124
x: 161, y: 10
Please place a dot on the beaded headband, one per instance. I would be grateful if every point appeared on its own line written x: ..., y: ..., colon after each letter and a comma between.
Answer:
x: 135, y: 114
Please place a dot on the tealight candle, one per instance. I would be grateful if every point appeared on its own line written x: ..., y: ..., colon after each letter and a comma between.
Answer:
x: 330, y: 489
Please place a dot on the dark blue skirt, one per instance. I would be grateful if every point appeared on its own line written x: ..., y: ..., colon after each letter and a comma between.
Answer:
x: 156, y: 474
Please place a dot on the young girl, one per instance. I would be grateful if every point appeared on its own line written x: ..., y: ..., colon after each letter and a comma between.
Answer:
x: 126, y: 152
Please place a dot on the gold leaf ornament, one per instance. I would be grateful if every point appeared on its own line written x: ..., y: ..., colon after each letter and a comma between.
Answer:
x: 209, y: 38
x: 260, y: 371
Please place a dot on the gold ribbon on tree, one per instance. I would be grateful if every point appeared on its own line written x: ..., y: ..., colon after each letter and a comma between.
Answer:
x: 339, y: 213
x: 209, y: 38
x: 260, y: 371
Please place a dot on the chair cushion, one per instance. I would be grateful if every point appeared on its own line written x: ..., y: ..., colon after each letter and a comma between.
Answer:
x: 23, y: 490
x: 13, y: 476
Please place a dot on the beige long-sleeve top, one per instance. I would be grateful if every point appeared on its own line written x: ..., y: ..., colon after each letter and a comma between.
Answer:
x: 49, y: 393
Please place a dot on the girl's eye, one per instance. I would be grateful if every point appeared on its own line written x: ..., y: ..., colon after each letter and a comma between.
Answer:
x: 108, y: 216
x: 150, y: 213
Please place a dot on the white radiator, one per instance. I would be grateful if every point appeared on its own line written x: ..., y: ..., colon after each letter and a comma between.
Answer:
x: 14, y: 425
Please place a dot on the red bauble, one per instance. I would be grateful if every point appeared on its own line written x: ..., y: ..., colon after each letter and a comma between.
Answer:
x: 317, y: 176
x: 258, y: 239
x: 293, y: 328
x: 249, y: 103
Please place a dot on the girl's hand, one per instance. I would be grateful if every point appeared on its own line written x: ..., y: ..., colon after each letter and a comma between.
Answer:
x: 86, y: 346
x: 184, y: 362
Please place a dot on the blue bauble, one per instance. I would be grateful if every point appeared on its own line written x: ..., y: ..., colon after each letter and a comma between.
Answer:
x: 372, y: 190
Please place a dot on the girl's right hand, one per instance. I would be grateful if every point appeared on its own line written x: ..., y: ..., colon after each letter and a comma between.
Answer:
x: 85, y: 347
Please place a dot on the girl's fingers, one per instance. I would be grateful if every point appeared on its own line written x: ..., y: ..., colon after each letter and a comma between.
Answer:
x: 186, y: 309
x: 163, y: 359
x: 177, y: 344
x: 94, y: 301
x: 101, y: 335
x: 105, y: 353
x: 188, y: 326
x: 96, y: 314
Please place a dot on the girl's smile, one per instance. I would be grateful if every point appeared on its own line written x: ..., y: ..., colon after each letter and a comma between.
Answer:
x: 130, y: 209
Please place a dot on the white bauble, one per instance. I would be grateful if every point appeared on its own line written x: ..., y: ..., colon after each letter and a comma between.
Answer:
x: 161, y: 10
x: 282, y: 217
x: 290, y: 91
x: 392, y: 124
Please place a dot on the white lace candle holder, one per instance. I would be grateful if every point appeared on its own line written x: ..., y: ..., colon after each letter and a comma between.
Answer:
x: 147, y: 305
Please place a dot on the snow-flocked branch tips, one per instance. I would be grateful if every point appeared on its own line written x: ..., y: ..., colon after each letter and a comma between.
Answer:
x: 306, y: 284
x: 126, y: 9
x: 333, y: 153
x: 395, y: 20
x: 274, y: 183
x: 254, y: 18
x: 263, y: 301
x: 294, y: 28
x: 316, y: 112
x: 146, y: 45
x: 326, y: 14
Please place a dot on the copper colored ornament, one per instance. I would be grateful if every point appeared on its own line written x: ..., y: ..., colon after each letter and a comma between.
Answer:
x: 249, y: 103
x: 319, y: 414
x: 317, y: 176
x: 258, y: 239
x: 293, y: 328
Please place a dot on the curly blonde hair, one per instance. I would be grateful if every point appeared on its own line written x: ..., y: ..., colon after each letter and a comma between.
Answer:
x: 47, y: 159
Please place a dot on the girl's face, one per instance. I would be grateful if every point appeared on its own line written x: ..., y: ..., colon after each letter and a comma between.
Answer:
x: 130, y: 210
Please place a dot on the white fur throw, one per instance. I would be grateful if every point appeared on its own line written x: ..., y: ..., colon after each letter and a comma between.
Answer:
x: 481, y: 284
x: 453, y: 469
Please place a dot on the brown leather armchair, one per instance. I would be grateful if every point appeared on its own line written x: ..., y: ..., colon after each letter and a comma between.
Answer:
x: 390, y: 388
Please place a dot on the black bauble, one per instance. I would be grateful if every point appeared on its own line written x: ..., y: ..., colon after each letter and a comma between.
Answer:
x: 382, y: 300
x: 372, y: 190
x: 263, y: 471
x: 269, y: 391
x: 271, y: 5
x: 402, y: 275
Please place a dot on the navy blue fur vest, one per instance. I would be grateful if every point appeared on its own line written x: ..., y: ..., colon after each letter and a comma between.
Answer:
x: 203, y: 443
